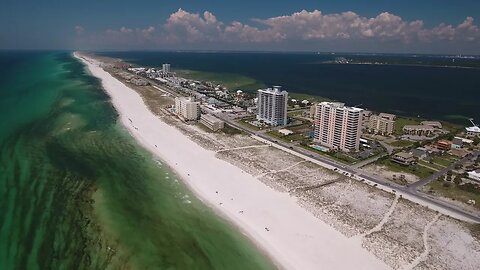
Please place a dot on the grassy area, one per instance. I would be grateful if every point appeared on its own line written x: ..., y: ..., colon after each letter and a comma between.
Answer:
x: 444, y: 161
x: 401, y: 143
x: 289, y: 138
x: 295, y: 113
x: 247, y: 125
x: 229, y: 80
x: 438, y: 167
x: 311, y: 98
x: 343, y: 158
x: 401, y: 121
x: 417, y: 170
x: 227, y: 129
x: 453, y: 128
x: 452, y: 191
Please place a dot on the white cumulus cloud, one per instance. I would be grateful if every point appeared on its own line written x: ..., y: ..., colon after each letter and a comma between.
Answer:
x: 310, y: 27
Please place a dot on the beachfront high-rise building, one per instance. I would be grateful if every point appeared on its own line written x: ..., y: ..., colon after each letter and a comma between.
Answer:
x: 166, y: 68
x: 337, y: 126
x: 272, y: 106
x: 187, y: 108
x: 382, y: 123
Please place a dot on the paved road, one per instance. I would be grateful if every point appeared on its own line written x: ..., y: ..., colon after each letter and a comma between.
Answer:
x: 409, y: 192
x: 388, y: 147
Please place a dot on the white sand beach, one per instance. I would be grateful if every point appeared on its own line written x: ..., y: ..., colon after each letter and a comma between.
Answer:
x: 288, y: 233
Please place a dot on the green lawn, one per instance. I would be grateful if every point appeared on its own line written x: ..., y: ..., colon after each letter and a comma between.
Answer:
x: 453, y: 128
x: 401, y: 121
x: 229, y: 80
x: 247, y: 125
x: 311, y: 98
x: 438, y: 167
x: 343, y: 158
x: 444, y: 161
x: 401, y: 143
x: 292, y: 137
x: 417, y: 170
x: 295, y: 113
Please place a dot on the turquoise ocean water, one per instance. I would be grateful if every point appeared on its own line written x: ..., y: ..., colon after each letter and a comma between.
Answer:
x: 77, y: 192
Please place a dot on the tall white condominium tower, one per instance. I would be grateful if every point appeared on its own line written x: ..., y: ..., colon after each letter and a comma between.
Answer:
x: 166, y: 68
x: 337, y: 126
x: 272, y: 106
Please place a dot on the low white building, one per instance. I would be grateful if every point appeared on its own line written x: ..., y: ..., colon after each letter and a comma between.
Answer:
x: 434, y: 124
x: 252, y: 109
x: 187, y: 108
x: 474, y: 175
x: 211, y: 122
x: 384, y: 123
x: 464, y: 140
x: 285, y: 132
x: 473, y: 131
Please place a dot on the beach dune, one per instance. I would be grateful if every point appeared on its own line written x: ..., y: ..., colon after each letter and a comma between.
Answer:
x: 288, y: 233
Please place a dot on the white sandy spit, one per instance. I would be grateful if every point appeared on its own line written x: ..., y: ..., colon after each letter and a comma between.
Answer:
x: 295, y: 239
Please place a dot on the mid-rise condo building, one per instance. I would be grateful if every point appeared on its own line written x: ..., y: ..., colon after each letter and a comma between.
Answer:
x: 211, y: 122
x: 187, y: 108
x: 383, y: 123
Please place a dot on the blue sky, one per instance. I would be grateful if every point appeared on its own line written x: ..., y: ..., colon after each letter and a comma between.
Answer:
x: 128, y: 24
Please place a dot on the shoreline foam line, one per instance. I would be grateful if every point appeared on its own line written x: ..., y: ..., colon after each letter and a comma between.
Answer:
x: 289, y: 234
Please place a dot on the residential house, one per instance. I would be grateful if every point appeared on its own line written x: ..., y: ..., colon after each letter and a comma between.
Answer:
x: 419, y: 153
x: 444, y: 145
x: 403, y: 158
x: 457, y: 143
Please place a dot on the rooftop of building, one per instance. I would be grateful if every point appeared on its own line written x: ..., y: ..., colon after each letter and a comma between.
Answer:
x: 340, y: 105
x: 420, y: 127
x: 457, y: 141
x: 210, y: 118
x: 388, y: 116
x: 477, y: 172
x: 465, y: 140
x: 273, y: 90
x: 418, y: 152
x: 473, y: 129
x: 431, y: 123
x: 403, y: 155
x: 458, y: 152
x: 285, y: 131
x: 186, y: 99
